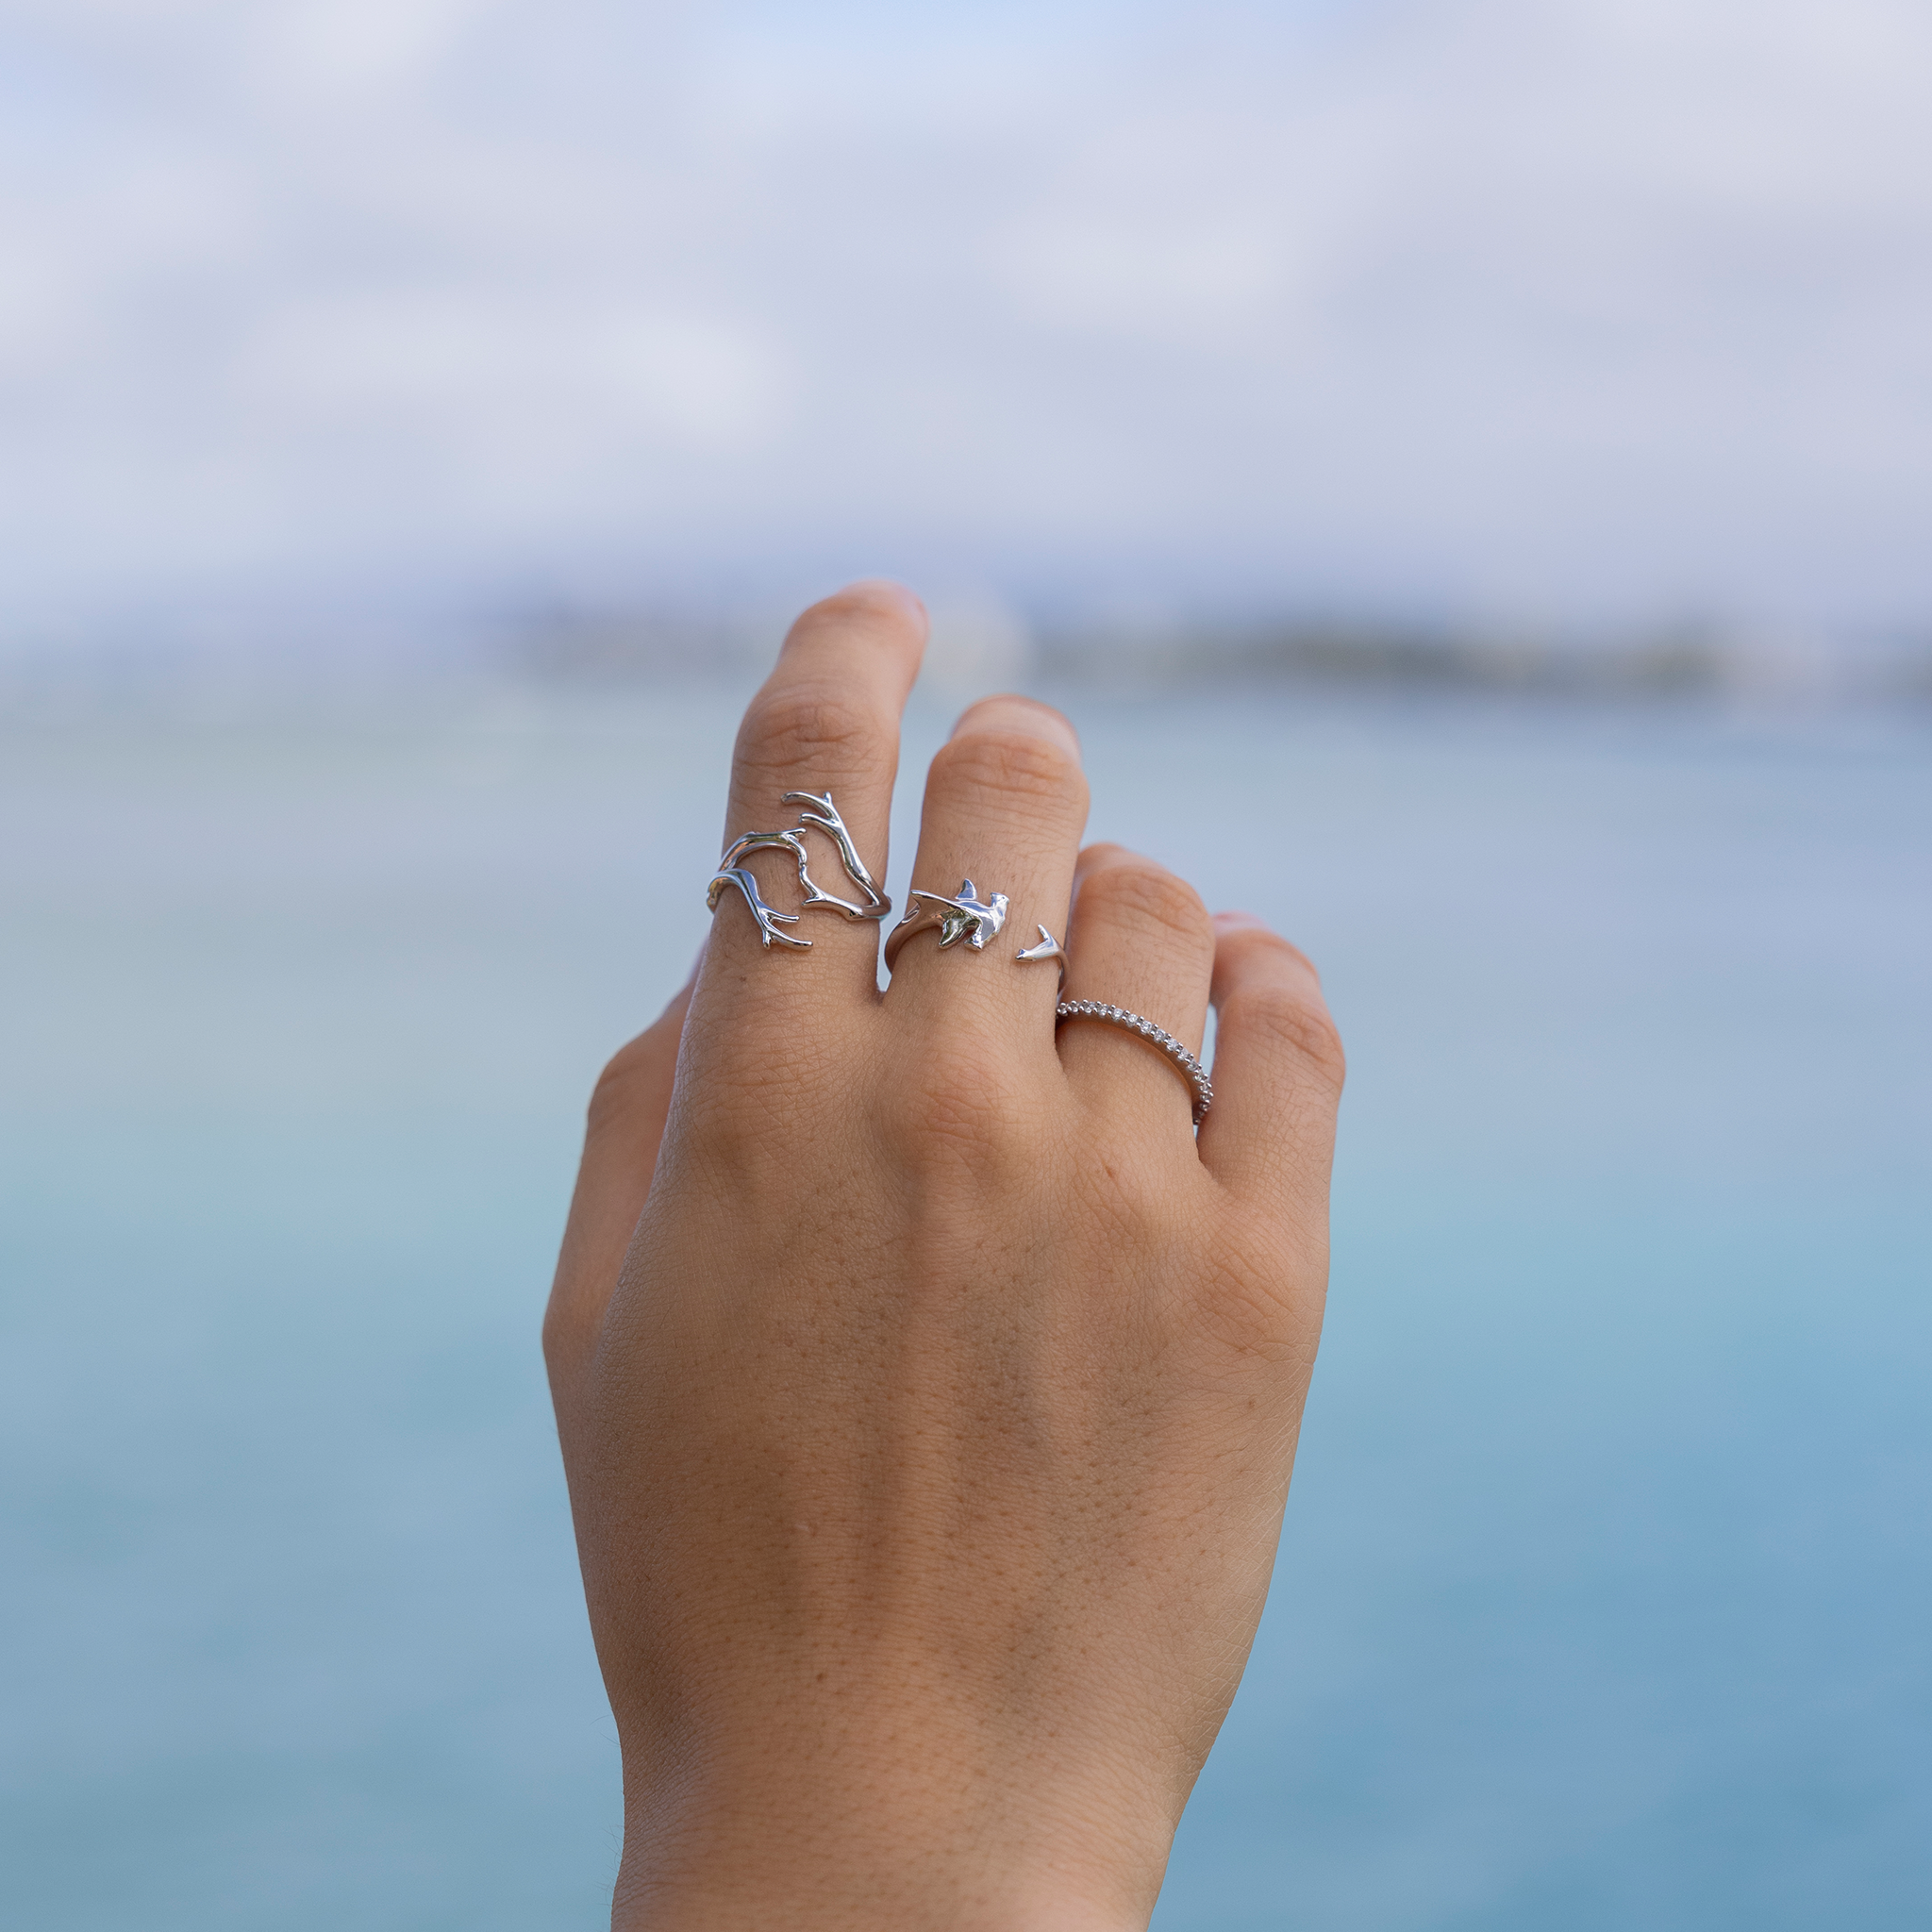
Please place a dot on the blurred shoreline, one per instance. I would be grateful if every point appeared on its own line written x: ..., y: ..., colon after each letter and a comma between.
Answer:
x: 976, y: 646
x: 987, y: 644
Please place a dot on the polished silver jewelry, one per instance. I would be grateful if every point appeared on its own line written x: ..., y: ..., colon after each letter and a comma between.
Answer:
x: 1155, y: 1036
x: 821, y: 815
x: 768, y: 917
x: 969, y: 917
x: 825, y: 819
x: 1048, y: 948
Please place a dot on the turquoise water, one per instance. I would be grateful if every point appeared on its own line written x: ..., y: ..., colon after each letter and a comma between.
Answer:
x: 1602, y: 1600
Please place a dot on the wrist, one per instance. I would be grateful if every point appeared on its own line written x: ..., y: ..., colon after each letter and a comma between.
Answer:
x: 909, y: 1848
x: 721, y: 1901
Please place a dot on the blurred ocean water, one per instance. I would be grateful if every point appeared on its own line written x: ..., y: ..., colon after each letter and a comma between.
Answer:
x: 1602, y: 1599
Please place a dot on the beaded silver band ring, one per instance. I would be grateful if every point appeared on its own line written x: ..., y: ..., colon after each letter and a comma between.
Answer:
x: 1195, y: 1074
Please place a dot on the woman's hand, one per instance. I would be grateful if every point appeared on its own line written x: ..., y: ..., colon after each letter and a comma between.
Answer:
x: 928, y: 1392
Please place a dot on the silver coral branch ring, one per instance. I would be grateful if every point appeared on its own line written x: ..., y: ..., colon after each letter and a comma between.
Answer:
x: 769, y: 918
x: 967, y: 916
x: 820, y: 815
x: 1189, y: 1068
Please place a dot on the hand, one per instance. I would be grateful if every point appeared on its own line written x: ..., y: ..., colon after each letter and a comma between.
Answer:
x: 928, y: 1392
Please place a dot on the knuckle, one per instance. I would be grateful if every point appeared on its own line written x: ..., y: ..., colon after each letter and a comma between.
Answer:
x: 1296, y: 1023
x: 1264, y: 1297
x: 807, y: 727
x: 1012, y: 768
x: 617, y: 1086
x: 1147, y: 898
x: 743, y: 1133
x: 958, y: 1110
x: 755, y: 1088
x: 564, y: 1333
x: 638, y: 1073
x: 1259, y: 939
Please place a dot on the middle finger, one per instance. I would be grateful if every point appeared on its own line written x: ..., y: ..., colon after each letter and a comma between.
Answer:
x: 1005, y: 803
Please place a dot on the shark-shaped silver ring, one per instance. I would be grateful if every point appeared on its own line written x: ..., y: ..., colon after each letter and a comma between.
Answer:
x: 968, y: 917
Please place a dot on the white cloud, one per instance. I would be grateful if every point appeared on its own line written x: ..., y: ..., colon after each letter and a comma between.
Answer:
x: 1585, y: 306
x: 356, y: 49
x: 423, y: 356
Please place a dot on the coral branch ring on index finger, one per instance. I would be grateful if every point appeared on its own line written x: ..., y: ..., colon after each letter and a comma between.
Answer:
x: 820, y: 815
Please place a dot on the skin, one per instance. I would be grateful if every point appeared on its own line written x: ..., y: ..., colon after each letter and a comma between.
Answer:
x: 928, y: 1392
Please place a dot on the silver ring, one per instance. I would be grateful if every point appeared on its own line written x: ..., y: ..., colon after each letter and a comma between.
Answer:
x: 821, y: 815
x: 969, y: 917
x: 1155, y: 1036
x: 1048, y: 948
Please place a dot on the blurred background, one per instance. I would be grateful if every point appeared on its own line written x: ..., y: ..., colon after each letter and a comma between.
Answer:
x: 1464, y: 466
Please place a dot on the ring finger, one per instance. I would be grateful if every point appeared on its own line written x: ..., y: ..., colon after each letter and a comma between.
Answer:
x: 1141, y: 939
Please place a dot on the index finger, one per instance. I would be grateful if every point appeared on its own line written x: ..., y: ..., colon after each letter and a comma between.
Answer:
x: 824, y: 725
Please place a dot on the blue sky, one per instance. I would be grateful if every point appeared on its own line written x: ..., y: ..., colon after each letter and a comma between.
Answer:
x: 1582, y: 311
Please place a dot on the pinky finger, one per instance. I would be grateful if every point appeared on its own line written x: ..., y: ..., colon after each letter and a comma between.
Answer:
x: 626, y: 1122
x: 1270, y: 1134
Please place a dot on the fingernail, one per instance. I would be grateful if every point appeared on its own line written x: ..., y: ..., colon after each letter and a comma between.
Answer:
x: 885, y: 589
x: 1239, y: 922
x: 1027, y: 716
